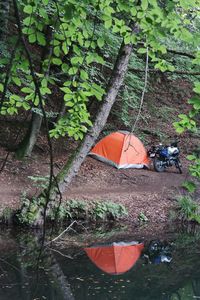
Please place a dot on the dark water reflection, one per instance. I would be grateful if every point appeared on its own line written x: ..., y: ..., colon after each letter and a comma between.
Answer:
x: 77, y: 276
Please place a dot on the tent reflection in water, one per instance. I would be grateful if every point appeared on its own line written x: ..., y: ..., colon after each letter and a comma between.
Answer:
x: 115, y: 258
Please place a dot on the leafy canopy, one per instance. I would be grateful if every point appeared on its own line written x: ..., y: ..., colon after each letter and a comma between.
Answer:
x: 65, y: 45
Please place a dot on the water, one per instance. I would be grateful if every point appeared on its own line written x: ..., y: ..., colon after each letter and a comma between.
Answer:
x: 26, y: 273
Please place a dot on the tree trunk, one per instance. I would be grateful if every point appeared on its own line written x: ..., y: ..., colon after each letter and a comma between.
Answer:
x: 4, y: 14
x: 72, y: 167
x: 25, y: 148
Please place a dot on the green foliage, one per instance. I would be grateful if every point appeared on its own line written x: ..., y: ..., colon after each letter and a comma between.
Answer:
x: 188, y: 210
x: 142, y: 218
x: 69, y: 210
x: 108, y: 210
x: 185, y: 123
x: 72, y: 209
x: 29, y: 211
x: 195, y: 167
x: 77, y: 36
x: 189, y: 186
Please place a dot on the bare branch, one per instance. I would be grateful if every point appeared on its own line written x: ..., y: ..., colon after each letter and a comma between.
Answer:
x: 64, y: 231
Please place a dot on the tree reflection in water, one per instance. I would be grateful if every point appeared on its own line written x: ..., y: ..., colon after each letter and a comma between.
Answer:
x: 55, y: 277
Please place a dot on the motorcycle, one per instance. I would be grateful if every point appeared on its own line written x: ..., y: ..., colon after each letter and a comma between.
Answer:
x: 165, y: 156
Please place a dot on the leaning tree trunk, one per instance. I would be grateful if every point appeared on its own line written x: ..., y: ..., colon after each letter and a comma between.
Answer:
x: 71, y: 168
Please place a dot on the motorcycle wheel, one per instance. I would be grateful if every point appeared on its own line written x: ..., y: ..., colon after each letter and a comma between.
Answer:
x: 158, y: 165
x: 178, y: 165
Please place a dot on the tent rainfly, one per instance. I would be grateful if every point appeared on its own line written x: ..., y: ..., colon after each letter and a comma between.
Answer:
x: 122, y: 150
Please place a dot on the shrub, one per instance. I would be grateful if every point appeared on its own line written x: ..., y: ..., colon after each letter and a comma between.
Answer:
x: 188, y: 210
x: 69, y: 210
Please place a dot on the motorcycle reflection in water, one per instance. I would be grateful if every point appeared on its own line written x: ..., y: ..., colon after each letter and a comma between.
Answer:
x: 158, y: 252
x: 165, y: 156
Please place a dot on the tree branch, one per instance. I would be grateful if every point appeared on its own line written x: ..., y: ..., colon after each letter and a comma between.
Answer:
x: 190, y: 55
x: 176, y: 52
x: 182, y: 72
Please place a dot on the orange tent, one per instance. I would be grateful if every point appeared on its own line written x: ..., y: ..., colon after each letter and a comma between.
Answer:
x: 122, y: 150
x: 117, y: 258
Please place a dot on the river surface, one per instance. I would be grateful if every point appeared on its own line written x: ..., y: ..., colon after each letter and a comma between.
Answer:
x: 115, y: 269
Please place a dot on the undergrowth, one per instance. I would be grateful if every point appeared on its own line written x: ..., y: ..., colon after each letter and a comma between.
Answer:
x: 187, y: 210
x: 94, y: 211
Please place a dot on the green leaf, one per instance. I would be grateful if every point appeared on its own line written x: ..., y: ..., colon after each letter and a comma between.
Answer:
x: 183, y: 117
x: 133, y: 11
x: 25, y: 105
x: 84, y: 75
x: 17, y: 81
x: 57, y: 61
x: 76, y: 59
x: 100, y: 42
x: 40, y: 38
x: 144, y: 4
x: 1, y: 87
x: 56, y: 51
x: 142, y: 50
x: 108, y: 23
x: 65, y: 48
x: 178, y: 127
x: 32, y: 38
x: 45, y: 2
x: 191, y: 157
x: 45, y: 90
x: 195, y: 102
x: 68, y: 97
x: 65, y: 68
x: 197, y: 87
x: 66, y: 90
x: 28, y: 9
x: 15, y: 97
x: 69, y: 9
x: 72, y: 71
x: 28, y: 21
x: 69, y: 103
x: 19, y: 104
x: 44, y: 82
x: 127, y: 39
x: 26, y: 90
